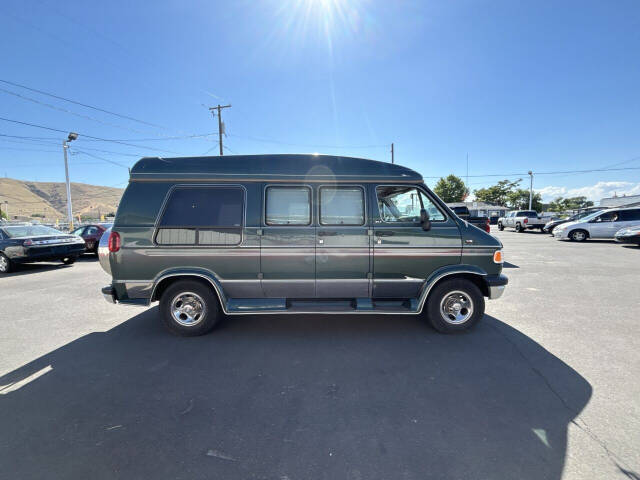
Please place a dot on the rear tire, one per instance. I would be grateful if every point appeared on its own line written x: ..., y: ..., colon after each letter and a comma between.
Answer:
x: 5, y: 264
x: 189, y: 308
x: 455, y: 305
x: 69, y: 260
x: 519, y: 228
x: 578, y: 236
x: 500, y: 226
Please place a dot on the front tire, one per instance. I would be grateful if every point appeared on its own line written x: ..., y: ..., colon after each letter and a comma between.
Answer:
x: 189, y: 308
x: 455, y: 305
x: 5, y: 264
x: 578, y: 236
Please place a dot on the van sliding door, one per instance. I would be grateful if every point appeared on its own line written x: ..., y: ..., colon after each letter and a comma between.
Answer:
x: 288, y: 244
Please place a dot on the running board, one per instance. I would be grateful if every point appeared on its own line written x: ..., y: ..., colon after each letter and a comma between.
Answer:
x: 329, y: 306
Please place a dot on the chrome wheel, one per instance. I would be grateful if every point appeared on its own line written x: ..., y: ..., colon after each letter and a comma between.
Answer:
x: 4, y: 264
x: 456, y: 307
x: 188, y: 309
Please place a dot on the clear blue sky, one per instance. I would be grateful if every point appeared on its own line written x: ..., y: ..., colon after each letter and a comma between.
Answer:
x: 537, y: 85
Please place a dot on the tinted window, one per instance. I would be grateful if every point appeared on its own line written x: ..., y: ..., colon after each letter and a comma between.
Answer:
x: 204, y: 207
x: 202, y: 216
x: 288, y: 206
x: 77, y: 231
x: 528, y: 214
x: 91, y: 230
x: 341, y: 206
x: 629, y: 215
x: 403, y: 204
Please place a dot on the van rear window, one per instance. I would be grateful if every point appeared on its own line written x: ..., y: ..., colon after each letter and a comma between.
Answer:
x: 202, y: 216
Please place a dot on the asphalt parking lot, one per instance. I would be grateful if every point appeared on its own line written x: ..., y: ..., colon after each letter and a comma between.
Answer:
x: 546, y: 387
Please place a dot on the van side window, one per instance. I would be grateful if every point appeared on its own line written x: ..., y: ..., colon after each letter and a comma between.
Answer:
x: 288, y: 206
x: 202, y: 216
x: 630, y: 215
x: 403, y: 204
x: 341, y: 206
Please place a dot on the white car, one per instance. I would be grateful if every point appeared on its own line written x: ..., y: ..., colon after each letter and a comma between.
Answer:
x: 603, y: 224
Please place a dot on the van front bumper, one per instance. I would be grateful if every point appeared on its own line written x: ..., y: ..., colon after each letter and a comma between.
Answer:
x: 496, y: 285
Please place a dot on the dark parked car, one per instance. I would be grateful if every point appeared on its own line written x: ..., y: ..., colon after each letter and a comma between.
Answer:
x: 549, y: 226
x: 36, y: 243
x: 91, y: 235
x: 483, y: 223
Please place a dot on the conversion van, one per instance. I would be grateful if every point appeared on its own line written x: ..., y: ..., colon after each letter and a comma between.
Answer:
x: 294, y: 234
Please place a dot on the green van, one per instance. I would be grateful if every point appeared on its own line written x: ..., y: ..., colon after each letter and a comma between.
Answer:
x: 295, y: 234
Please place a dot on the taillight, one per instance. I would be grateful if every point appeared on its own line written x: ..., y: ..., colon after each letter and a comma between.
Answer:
x: 114, y: 241
x: 27, y: 243
x: 526, y: 220
x: 487, y: 226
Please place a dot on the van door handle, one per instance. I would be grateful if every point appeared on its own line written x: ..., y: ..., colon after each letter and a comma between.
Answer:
x: 382, y: 233
x: 323, y: 233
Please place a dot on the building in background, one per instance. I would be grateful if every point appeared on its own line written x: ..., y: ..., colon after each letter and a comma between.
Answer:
x: 623, y: 201
x: 482, y: 209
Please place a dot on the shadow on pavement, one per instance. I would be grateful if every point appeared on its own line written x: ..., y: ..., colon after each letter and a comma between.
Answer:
x: 510, y: 265
x: 292, y: 397
x: 20, y: 269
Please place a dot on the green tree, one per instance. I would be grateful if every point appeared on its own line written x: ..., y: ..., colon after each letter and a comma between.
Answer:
x: 519, y: 199
x: 451, y: 189
x: 3, y: 215
x: 572, y: 203
x: 497, y: 194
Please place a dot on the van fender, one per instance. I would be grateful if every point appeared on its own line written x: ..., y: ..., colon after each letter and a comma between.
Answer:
x: 203, y: 273
x: 446, y: 271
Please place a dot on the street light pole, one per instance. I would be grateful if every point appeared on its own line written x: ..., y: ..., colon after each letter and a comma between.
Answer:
x: 530, y: 188
x: 72, y: 136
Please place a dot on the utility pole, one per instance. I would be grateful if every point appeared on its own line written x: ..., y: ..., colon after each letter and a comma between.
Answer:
x: 530, y: 188
x: 72, y: 136
x: 467, y: 170
x: 392, y: 160
x: 220, y: 123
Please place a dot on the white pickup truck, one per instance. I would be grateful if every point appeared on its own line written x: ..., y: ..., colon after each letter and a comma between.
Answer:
x: 522, y: 220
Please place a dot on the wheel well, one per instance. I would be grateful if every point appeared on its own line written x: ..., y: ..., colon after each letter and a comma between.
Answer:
x: 167, y: 282
x: 473, y: 277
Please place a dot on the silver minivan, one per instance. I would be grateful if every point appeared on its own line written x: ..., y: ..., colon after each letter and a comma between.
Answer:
x: 602, y: 224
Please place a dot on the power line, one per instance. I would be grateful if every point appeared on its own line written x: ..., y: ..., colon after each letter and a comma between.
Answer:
x: 127, y: 117
x: 278, y: 142
x: 102, y: 158
x: 85, y: 135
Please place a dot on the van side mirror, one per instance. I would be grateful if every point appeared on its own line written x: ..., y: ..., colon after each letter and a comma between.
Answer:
x: 424, y: 220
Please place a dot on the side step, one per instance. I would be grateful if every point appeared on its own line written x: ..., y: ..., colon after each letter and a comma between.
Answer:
x: 329, y: 306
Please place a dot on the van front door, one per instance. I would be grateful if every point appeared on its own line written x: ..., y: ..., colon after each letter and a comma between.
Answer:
x: 404, y: 254
x: 288, y: 243
x: 342, y: 245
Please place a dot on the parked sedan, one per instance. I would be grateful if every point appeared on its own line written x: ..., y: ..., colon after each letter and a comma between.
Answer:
x: 549, y: 226
x: 91, y: 235
x: 36, y: 243
x: 603, y: 224
x: 629, y: 235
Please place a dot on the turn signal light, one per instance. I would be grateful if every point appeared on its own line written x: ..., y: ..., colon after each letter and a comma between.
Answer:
x: 497, y: 257
x: 114, y: 241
